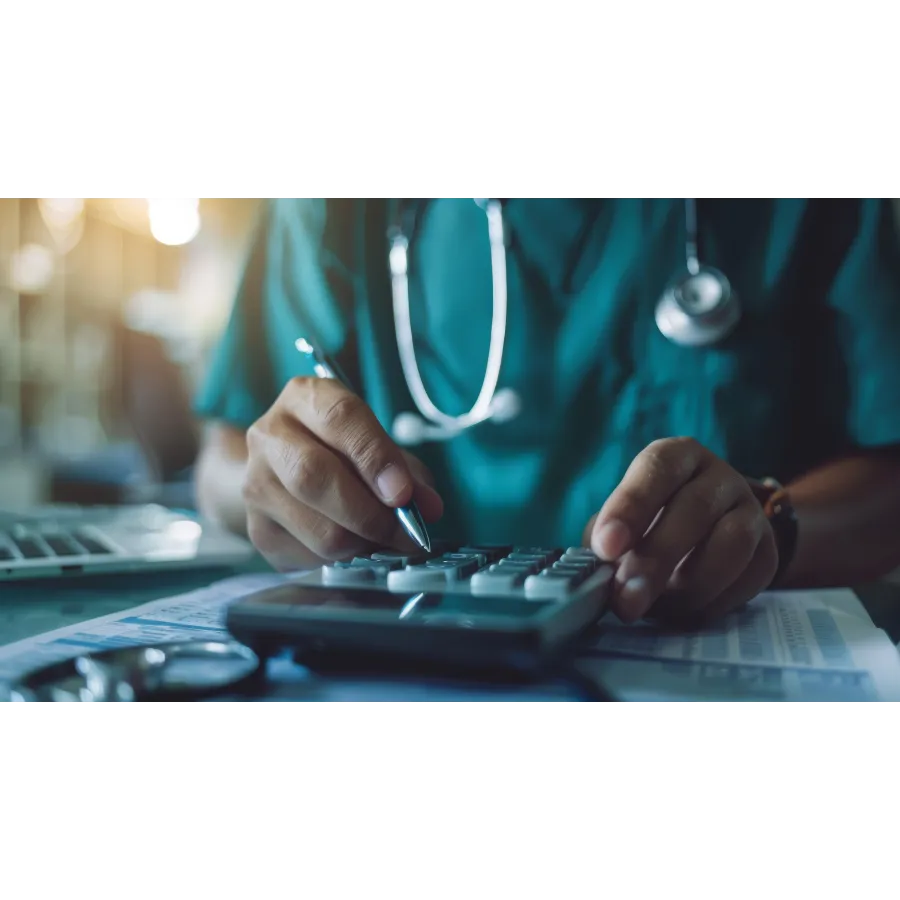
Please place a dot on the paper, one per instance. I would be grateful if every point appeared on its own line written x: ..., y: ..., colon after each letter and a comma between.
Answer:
x: 810, y: 645
x: 198, y: 615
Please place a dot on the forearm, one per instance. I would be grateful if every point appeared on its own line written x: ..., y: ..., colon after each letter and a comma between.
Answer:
x: 849, y: 521
x: 220, y: 477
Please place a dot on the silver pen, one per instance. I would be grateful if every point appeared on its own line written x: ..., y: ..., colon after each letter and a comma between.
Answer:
x: 409, y: 516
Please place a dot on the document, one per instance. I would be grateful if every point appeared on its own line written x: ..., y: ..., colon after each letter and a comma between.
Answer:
x: 802, y: 646
x: 198, y: 615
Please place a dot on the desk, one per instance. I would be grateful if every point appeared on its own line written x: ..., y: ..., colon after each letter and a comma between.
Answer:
x: 27, y: 609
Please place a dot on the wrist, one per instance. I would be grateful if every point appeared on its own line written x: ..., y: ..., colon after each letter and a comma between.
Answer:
x: 779, y: 511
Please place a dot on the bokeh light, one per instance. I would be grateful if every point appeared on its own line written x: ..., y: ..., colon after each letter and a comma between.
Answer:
x: 31, y: 269
x: 64, y: 217
x: 174, y: 222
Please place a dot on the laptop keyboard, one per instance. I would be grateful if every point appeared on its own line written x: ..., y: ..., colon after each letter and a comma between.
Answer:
x: 538, y: 573
x: 25, y: 543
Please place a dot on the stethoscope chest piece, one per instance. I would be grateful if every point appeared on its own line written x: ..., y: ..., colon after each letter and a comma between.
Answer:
x: 698, y: 308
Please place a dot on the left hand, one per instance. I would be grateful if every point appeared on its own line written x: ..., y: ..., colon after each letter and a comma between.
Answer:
x: 687, y: 534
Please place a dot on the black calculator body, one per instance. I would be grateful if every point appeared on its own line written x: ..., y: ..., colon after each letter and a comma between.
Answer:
x: 492, y: 610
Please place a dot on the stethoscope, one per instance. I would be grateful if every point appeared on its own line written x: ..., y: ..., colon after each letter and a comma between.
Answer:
x: 697, y: 309
x: 181, y: 670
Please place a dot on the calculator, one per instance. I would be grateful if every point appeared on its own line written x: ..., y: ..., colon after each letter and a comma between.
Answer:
x: 515, y: 610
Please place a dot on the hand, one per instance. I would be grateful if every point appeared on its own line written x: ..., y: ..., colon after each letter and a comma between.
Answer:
x: 322, y: 478
x: 687, y: 534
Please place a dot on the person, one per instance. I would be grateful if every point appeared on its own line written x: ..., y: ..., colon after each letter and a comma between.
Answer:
x: 648, y: 451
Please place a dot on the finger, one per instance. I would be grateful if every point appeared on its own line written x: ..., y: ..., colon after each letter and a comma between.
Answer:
x: 318, y: 538
x: 429, y: 502
x: 589, y: 530
x: 278, y: 546
x: 687, y: 520
x: 316, y: 478
x: 343, y: 422
x: 721, y: 559
x: 756, y: 578
x: 427, y: 498
x: 419, y: 470
x: 654, y: 476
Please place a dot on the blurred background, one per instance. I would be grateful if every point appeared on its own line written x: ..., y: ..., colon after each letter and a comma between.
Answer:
x: 108, y: 309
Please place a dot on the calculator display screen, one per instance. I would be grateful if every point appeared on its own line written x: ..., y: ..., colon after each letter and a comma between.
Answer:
x: 332, y: 602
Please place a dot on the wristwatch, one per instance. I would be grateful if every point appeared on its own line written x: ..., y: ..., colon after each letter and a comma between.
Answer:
x: 779, y: 510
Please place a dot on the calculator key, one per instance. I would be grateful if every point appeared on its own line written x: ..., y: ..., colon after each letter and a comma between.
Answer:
x: 493, y: 552
x: 30, y: 548
x: 378, y: 565
x: 545, y: 552
x: 519, y: 565
x: 480, y: 558
x: 404, y: 559
x: 549, y: 585
x: 497, y: 582
x: 62, y: 545
x: 533, y: 558
x: 579, y: 573
x: 467, y: 562
x: 347, y: 574
x: 439, y: 547
x: 581, y: 553
x: 585, y: 565
x: 460, y: 568
x: 422, y: 578
x: 90, y: 543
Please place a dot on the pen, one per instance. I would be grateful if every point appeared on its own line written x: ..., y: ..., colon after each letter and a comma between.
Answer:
x: 409, y: 516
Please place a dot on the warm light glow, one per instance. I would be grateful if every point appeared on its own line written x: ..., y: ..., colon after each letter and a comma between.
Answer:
x: 174, y: 222
x: 132, y: 211
x: 64, y: 217
x: 31, y: 269
x: 60, y: 212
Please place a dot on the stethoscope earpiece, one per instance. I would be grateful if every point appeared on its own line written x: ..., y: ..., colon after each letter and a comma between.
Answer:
x: 410, y: 430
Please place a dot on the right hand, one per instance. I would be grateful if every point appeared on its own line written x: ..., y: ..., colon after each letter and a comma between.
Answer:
x: 323, y: 478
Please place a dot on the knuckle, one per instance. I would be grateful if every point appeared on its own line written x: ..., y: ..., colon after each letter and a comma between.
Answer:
x: 744, y: 527
x: 306, y: 472
x: 333, y: 542
x: 251, y: 490
x: 630, y: 502
x: 300, y: 385
x: 676, y: 457
x: 339, y: 413
x: 700, y: 505
x: 663, y: 462
x: 379, y: 525
x: 264, y: 534
x: 256, y: 436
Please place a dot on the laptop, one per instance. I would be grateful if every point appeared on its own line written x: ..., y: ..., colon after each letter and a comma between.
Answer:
x: 50, y: 542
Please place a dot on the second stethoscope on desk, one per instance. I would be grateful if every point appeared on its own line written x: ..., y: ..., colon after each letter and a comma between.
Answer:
x: 698, y: 308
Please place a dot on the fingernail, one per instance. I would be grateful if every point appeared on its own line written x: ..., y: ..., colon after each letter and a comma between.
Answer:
x: 636, y: 593
x: 612, y: 540
x: 390, y: 483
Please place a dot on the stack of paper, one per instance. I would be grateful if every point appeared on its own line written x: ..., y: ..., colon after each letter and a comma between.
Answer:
x: 804, y: 645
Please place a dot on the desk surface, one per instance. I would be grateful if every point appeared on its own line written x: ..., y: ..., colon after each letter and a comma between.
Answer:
x: 27, y: 609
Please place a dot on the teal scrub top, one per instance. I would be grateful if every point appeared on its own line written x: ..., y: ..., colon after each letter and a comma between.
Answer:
x: 812, y: 370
